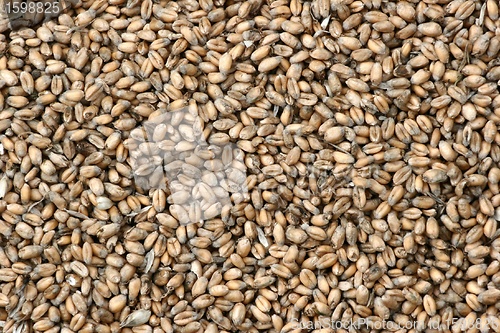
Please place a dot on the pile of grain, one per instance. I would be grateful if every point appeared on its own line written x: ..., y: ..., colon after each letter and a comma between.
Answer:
x: 221, y: 166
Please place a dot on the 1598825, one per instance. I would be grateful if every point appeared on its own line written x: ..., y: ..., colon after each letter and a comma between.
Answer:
x: 15, y: 14
x: 32, y: 7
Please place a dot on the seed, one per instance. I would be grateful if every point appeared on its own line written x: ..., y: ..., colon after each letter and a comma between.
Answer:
x: 222, y: 163
x: 136, y: 318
